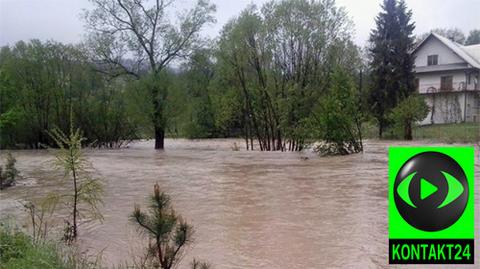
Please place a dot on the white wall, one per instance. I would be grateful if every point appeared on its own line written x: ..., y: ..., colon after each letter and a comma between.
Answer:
x: 434, y: 46
x: 450, y: 108
x: 473, y: 107
x: 446, y: 108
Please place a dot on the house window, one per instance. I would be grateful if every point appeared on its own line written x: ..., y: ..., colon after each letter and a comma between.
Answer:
x: 417, y: 84
x: 446, y: 83
x: 432, y: 59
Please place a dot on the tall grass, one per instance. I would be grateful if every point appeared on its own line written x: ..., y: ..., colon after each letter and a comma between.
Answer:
x: 19, y: 251
x: 443, y: 133
x: 449, y: 133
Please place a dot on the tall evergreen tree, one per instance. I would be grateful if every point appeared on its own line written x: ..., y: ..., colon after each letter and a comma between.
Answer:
x: 391, y: 65
x: 405, y: 45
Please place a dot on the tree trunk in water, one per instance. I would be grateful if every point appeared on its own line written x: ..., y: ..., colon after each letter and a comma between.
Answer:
x: 159, y: 137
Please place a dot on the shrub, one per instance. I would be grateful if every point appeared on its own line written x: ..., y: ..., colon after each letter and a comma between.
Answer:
x: 9, y: 176
x: 405, y: 115
x: 86, y: 192
x: 169, y: 233
x: 17, y: 250
x: 338, y: 116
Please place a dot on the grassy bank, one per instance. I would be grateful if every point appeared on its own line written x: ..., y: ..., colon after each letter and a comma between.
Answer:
x: 449, y: 133
x: 19, y: 251
x: 444, y: 133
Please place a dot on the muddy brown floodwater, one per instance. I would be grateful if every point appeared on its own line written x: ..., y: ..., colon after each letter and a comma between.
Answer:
x: 249, y: 209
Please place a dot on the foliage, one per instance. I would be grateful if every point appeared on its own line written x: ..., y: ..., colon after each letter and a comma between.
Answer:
x: 40, y: 82
x: 144, y: 31
x: 41, y: 216
x: 86, y: 191
x: 473, y: 37
x: 392, y: 77
x: 168, y: 231
x: 409, y: 111
x: 199, y: 265
x: 9, y: 176
x: 276, y: 62
x: 454, y: 34
x: 19, y: 251
x: 449, y: 133
x: 338, y: 117
x: 197, y: 76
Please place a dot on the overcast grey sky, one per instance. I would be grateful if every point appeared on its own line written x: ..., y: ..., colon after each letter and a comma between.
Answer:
x: 60, y: 19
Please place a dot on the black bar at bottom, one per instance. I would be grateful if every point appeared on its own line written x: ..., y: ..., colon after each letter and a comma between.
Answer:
x: 419, y: 251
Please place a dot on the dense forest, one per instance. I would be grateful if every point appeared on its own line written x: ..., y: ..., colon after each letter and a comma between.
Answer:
x: 281, y: 76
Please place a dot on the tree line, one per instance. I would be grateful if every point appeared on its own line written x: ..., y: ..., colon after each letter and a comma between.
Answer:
x: 281, y: 75
x: 42, y: 83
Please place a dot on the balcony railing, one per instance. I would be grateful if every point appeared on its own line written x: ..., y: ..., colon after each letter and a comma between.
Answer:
x: 455, y: 87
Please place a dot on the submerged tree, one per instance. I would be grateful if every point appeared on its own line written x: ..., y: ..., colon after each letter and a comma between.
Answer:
x: 9, y: 176
x: 86, y: 191
x: 135, y: 37
x: 338, y: 117
x: 279, y: 59
x: 169, y: 232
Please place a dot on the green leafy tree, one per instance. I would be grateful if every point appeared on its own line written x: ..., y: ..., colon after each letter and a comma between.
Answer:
x: 338, y: 117
x: 279, y: 59
x: 473, y: 37
x: 41, y: 81
x: 409, y: 111
x: 168, y: 231
x: 86, y: 192
x: 392, y: 78
x: 197, y: 76
x: 137, y: 37
x: 454, y: 34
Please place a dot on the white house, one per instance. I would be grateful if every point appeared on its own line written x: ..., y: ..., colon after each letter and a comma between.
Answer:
x: 447, y: 74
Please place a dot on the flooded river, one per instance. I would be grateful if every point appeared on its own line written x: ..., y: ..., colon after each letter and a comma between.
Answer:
x: 249, y: 209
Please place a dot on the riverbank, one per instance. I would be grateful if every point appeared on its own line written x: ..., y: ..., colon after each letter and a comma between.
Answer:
x: 449, y: 133
x: 440, y: 133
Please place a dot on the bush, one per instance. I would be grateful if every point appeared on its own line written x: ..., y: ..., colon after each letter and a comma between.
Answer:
x: 17, y: 250
x: 9, y: 177
x: 338, y: 117
x: 409, y: 111
x: 169, y: 235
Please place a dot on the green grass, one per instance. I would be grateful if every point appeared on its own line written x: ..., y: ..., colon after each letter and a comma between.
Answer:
x: 444, y: 133
x: 449, y: 133
x: 17, y: 250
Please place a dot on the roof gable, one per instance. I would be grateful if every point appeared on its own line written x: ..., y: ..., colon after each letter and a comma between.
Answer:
x: 466, y: 53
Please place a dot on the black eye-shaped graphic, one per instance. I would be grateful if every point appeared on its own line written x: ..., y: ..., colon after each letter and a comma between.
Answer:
x: 455, y: 189
x: 431, y: 191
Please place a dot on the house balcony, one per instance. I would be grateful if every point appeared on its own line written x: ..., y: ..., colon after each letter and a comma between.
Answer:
x: 453, y: 87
